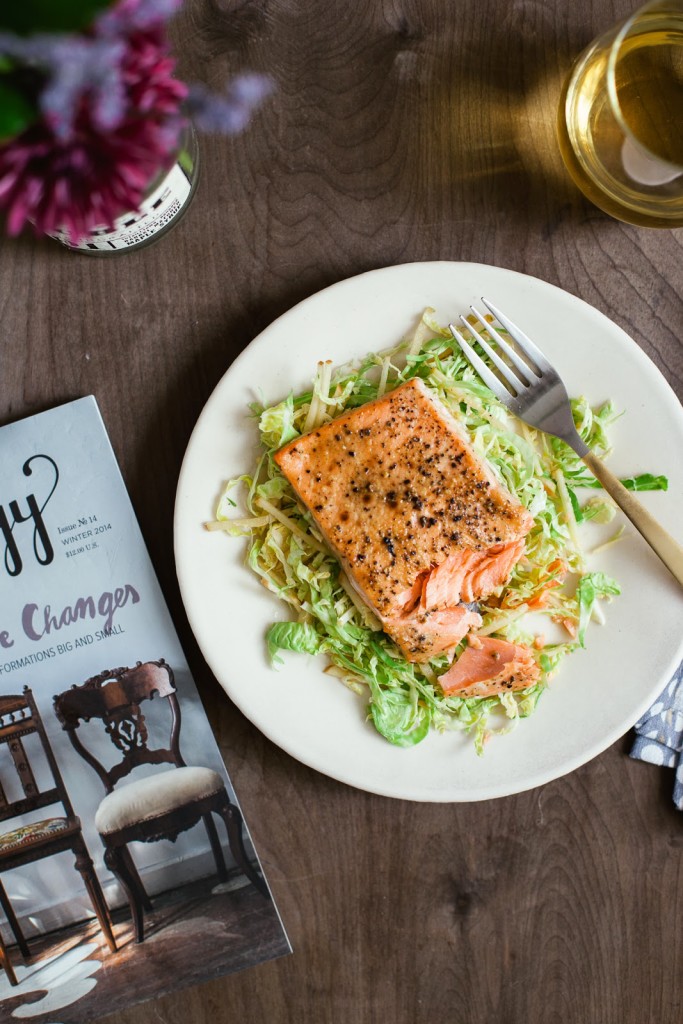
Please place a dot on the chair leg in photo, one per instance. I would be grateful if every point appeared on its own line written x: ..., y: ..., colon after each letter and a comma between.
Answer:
x: 6, y: 964
x: 86, y: 868
x: 116, y: 863
x: 14, y: 924
x: 216, y: 847
x: 137, y: 881
x: 233, y: 823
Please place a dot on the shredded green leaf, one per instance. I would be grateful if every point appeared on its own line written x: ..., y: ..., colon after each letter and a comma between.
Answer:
x: 646, y: 482
x: 592, y: 586
x: 291, y: 636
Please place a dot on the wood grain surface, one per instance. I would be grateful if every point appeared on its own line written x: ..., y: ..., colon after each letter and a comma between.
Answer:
x: 401, y: 130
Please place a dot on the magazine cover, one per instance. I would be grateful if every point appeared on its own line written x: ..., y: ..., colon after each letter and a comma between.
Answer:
x: 126, y: 869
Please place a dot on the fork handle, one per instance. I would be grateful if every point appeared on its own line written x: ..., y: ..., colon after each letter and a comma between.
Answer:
x: 662, y: 543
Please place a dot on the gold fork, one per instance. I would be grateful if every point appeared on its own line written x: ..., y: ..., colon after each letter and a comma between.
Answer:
x: 532, y: 389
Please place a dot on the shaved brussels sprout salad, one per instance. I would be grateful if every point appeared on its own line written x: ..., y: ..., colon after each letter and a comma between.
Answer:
x: 553, y: 580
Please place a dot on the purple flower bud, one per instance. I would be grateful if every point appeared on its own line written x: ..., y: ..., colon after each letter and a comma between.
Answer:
x: 135, y: 15
x: 230, y: 112
x: 75, y: 67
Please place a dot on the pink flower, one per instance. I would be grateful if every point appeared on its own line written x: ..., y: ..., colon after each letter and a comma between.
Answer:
x: 89, y: 176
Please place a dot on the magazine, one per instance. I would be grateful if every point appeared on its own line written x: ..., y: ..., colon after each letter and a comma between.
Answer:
x: 126, y: 868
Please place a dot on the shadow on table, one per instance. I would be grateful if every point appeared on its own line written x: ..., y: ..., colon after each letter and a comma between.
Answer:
x: 480, y: 116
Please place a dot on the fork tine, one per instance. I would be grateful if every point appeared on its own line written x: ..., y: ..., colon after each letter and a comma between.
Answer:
x: 527, y: 372
x: 504, y: 370
x: 525, y: 343
x: 490, y: 379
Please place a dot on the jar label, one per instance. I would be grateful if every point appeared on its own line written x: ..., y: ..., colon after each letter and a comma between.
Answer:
x: 156, y: 211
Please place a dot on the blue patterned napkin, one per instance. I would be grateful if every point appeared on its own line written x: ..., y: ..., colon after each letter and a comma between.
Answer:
x: 659, y: 733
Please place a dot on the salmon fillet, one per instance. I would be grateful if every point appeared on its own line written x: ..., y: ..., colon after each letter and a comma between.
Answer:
x: 490, y: 667
x: 415, y: 515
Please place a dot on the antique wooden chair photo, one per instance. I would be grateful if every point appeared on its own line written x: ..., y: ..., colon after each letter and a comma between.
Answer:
x: 157, y: 806
x: 6, y: 963
x: 33, y: 841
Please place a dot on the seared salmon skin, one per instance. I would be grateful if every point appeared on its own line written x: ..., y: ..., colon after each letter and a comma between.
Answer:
x: 416, y: 517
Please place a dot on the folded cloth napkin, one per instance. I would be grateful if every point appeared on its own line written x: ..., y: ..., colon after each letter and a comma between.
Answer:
x: 659, y: 733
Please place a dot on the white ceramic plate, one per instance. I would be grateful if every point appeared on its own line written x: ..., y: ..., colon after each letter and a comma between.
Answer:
x: 598, y: 693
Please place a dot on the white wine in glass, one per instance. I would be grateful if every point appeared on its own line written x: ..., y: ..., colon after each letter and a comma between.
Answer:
x: 620, y: 122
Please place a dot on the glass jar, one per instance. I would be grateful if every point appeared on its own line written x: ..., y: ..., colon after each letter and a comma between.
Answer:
x: 165, y: 202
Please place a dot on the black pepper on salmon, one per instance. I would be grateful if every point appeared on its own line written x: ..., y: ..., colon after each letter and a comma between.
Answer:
x: 416, y: 517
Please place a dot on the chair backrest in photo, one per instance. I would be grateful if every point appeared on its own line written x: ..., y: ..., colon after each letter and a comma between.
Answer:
x: 19, y: 718
x: 114, y: 697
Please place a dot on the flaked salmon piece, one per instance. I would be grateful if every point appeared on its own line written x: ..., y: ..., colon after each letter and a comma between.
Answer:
x: 397, y: 490
x: 470, y: 575
x: 432, y: 632
x: 489, y: 668
x: 443, y: 585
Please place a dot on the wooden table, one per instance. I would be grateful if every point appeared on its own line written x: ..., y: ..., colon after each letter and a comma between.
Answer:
x: 401, y: 130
